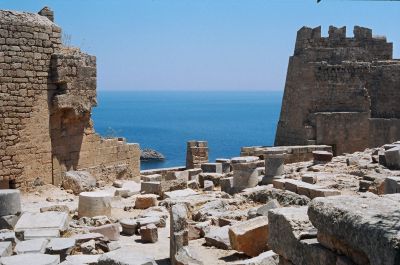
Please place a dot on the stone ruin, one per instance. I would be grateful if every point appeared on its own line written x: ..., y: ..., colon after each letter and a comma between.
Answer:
x: 47, y: 92
x: 340, y: 91
x: 284, y: 205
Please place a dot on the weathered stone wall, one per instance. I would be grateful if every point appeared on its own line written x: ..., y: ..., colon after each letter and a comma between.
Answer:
x: 335, y: 85
x: 46, y: 95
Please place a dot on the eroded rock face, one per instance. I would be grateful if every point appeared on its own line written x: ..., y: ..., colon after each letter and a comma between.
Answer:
x: 365, y: 228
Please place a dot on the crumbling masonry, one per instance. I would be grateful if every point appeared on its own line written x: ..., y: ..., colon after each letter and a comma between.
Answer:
x: 341, y: 91
x: 47, y: 92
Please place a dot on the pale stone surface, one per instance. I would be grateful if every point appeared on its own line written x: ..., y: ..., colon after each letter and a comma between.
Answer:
x: 46, y: 220
x: 153, y: 177
x: 31, y: 246
x: 31, y: 259
x: 10, y: 202
x: 82, y: 259
x: 94, y: 204
x: 245, y: 174
x: 263, y: 210
x: 5, y: 249
x: 145, y: 201
x: 250, y: 237
x: 218, y: 237
x: 274, y: 165
x: 208, y: 185
x: 179, y: 193
x: 153, y: 187
x: 125, y: 256
x: 8, y: 221
x: 110, y: 231
x: 149, y: 233
x: 364, y: 226
x: 129, y: 226
x: 78, y: 181
x: 179, y: 231
x: 46, y: 233
x: 266, y: 258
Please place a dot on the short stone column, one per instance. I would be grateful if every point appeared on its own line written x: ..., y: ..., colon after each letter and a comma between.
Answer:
x: 179, y: 230
x: 274, y: 164
x: 245, y: 173
x: 94, y: 204
x: 196, y: 154
x: 10, y: 202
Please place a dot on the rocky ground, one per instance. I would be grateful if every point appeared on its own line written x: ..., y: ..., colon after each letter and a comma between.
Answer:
x: 195, y: 217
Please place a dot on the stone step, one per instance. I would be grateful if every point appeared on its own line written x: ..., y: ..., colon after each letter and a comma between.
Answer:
x: 304, y: 188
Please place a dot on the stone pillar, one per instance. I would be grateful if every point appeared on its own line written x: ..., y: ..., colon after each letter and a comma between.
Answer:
x: 196, y: 154
x: 226, y: 164
x: 245, y: 173
x: 274, y: 164
x: 94, y: 204
x: 179, y: 231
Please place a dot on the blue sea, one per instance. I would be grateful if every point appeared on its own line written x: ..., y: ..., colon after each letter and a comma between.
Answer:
x: 165, y: 121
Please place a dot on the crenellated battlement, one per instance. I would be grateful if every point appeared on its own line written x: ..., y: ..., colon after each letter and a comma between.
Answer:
x: 370, y: 47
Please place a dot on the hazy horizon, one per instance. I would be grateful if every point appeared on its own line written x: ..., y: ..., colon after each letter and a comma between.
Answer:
x: 208, y: 45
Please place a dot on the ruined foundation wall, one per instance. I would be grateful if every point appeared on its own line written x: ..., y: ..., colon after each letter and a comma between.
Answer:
x: 46, y: 95
x: 344, y: 82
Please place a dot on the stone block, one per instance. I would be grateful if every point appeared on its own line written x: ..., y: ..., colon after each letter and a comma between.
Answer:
x: 266, y: 258
x: 78, y: 181
x: 153, y: 187
x: 193, y: 184
x: 212, y: 168
x: 364, y: 228
x: 172, y: 185
x: 5, y: 249
x: 46, y: 233
x: 126, y: 255
x: 226, y: 164
x: 194, y: 173
x: 109, y: 231
x: 179, y: 231
x: 208, y: 185
x: 149, y: 233
x: 392, y: 185
x: 245, y: 174
x: 60, y: 246
x: 250, y: 237
x: 94, y: 204
x: 31, y: 246
x: 8, y: 221
x: 292, y: 236
x: 156, y: 220
x: 227, y: 185
x: 82, y: 259
x: 145, y: 201
x: 42, y: 222
x: 274, y: 165
x: 214, y: 177
x: 32, y: 259
x: 218, y: 237
x: 263, y: 210
x: 179, y: 193
x: 392, y: 158
x: 322, y: 156
x: 10, y: 202
x: 151, y: 178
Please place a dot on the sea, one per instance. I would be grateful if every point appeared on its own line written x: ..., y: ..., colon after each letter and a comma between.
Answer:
x: 166, y: 120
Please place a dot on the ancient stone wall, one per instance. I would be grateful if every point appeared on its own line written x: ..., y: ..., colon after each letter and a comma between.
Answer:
x: 336, y: 87
x: 47, y: 92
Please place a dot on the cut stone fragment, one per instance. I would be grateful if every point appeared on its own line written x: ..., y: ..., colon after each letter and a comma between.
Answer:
x: 151, y: 187
x: 266, y: 258
x: 218, y: 237
x: 94, y: 204
x: 10, y: 202
x: 364, y: 228
x: 322, y: 156
x: 149, y: 233
x: 82, y: 259
x: 55, y: 208
x: 145, y: 201
x: 35, y: 224
x: 110, y: 231
x: 208, y: 185
x: 245, y: 173
x: 80, y: 238
x: 129, y: 226
x: 179, y: 232
x: 274, y: 165
x: 392, y: 158
x: 125, y: 256
x: 212, y: 168
x: 5, y: 249
x: 46, y: 233
x: 227, y: 185
x: 149, y: 178
x: 250, y: 237
x: 226, y: 164
x: 179, y: 193
x: 392, y: 185
x: 31, y: 259
x: 263, y: 210
x: 31, y: 246
x: 78, y: 181
x: 8, y: 221
x: 60, y: 246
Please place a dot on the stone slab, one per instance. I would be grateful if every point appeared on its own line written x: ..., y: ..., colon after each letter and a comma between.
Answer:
x: 31, y: 246
x: 46, y: 220
x: 31, y: 259
x: 5, y: 249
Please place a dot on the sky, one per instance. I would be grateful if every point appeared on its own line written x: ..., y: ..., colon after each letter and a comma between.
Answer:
x: 203, y: 45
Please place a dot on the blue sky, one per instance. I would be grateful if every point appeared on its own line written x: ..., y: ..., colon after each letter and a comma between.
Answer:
x: 203, y: 44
